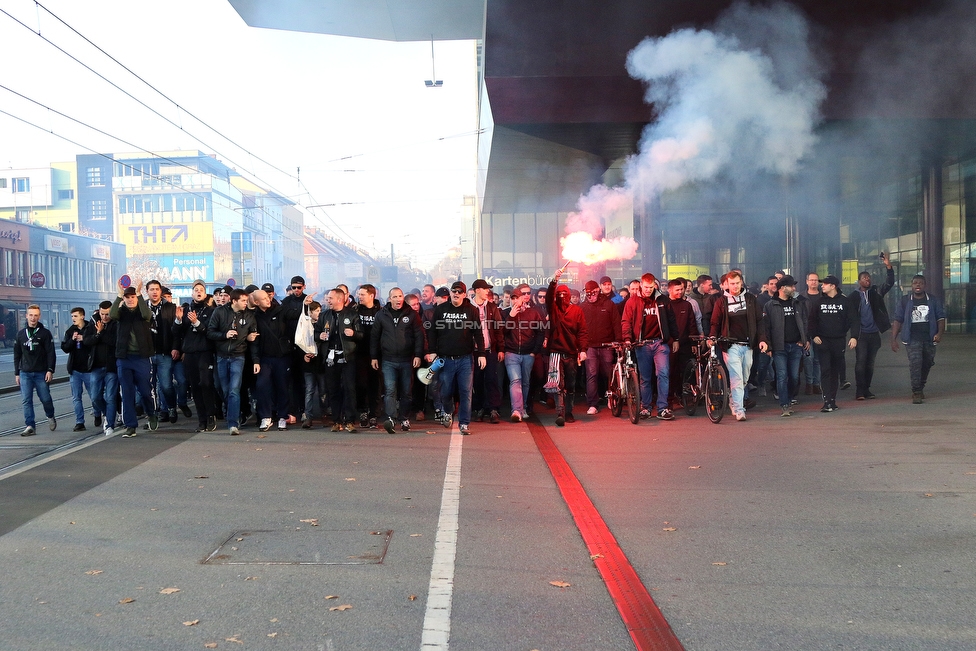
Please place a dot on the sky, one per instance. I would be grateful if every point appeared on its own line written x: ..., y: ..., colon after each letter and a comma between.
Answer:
x: 389, y: 158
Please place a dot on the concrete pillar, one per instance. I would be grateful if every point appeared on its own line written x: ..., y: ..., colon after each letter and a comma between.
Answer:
x: 932, y: 226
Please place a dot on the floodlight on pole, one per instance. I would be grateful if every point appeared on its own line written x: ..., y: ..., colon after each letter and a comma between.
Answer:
x: 434, y: 82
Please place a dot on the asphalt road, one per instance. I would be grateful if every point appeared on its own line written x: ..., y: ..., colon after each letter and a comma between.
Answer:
x: 850, y: 530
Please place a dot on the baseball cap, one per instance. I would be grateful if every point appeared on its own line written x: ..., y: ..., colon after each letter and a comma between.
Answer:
x: 459, y: 285
x: 129, y: 291
x: 591, y: 285
x: 250, y: 288
x: 297, y: 280
x: 481, y: 283
x: 606, y: 279
x: 199, y: 281
x: 442, y: 291
x: 786, y: 281
x: 268, y: 287
x: 832, y: 280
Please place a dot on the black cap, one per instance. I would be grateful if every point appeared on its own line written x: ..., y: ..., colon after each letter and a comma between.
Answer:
x: 606, y: 279
x: 129, y: 291
x: 250, y: 288
x: 786, y: 281
x: 832, y: 280
x: 459, y: 285
x: 297, y: 280
x: 442, y: 291
x: 481, y: 283
x: 268, y: 287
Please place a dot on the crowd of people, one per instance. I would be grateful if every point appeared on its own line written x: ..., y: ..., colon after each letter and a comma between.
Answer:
x: 351, y: 362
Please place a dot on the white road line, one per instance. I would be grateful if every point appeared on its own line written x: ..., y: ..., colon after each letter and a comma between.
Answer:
x: 437, y: 618
x: 45, y: 458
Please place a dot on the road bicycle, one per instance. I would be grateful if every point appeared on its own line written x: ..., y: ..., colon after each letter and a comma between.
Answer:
x: 624, y: 387
x: 704, y: 380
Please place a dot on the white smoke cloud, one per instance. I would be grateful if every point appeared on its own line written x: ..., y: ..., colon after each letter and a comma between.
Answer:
x: 736, y: 102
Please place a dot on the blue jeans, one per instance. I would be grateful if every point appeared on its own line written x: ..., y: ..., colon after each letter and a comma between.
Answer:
x: 787, y: 363
x: 738, y: 362
x: 163, y: 379
x: 460, y: 372
x: 230, y: 370
x: 28, y: 383
x: 519, y: 368
x: 599, y: 361
x: 104, y: 389
x: 658, y: 352
x: 79, y: 381
x: 135, y: 374
x: 397, y: 379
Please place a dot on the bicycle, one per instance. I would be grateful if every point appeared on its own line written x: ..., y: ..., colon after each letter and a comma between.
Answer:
x: 704, y: 379
x: 624, y: 386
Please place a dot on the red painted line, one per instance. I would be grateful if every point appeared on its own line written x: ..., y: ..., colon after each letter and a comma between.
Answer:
x: 643, y: 619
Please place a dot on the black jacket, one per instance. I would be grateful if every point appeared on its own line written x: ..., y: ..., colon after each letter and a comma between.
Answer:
x: 833, y: 317
x: 397, y: 335
x: 244, y: 322
x: 348, y: 317
x: 456, y: 331
x: 875, y: 297
x: 105, y: 342
x: 525, y: 331
x: 602, y: 320
x: 276, y: 336
x: 774, y: 319
x: 719, y: 320
x: 133, y: 328
x: 34, y: 351
x: 163, y: 327
x: 80, y: 358
x: 193, y: 338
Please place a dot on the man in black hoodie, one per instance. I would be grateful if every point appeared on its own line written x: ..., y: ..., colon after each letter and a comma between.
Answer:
x: 34, y: 361
x: 164, y: 350
x: 397, y: 339
x: 198, y: 354
x: 831, y: 316
x: 455, y: 334
x: 133, y: 351
x: 79, y: 343
x: 275, y: 344
x: 105, y: 372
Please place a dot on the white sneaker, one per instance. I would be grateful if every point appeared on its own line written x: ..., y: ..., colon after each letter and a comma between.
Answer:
x: 265, y: 424
x: 740, y: 416
x: 591, y: 411
x: 516, y: 417
x: 109, y: 431
x: 235, y: 431
x: 282, y: 424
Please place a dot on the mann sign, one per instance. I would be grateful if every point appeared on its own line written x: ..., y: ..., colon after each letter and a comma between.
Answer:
x: 187, y: 268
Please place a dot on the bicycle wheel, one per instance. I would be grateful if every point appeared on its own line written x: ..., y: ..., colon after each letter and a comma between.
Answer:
x: 716, y: 392
x: 615, y: 398
x: 633, y: 396
x: 690, y: 388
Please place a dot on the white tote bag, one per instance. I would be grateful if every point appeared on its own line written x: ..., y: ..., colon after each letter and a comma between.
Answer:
x: 305, y: 333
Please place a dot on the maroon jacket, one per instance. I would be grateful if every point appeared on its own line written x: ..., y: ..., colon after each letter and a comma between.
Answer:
x: 567, y: 327
x: 632, y: 324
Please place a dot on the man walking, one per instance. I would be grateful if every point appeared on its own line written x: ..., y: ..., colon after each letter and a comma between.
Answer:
x: 339, y: 332
x: 165, y: 351
x: 870, y: 305
x: 133, y: 350
x: 34, y: 361
x: 926, y: 320
x: 79, y: 343
x: 367, y: 378
x: 736, y: 316
x: 783, y: 333
x: 647, y: 320
x: 455, y: 335
x: 397, y: 341
x: 602, y: 327
x: 233, y: 329
x: 275, y: 346
x: 487, y: 398
x: 105, y: 372
x: 831, y: 315
x: 566, y: 344
x: 198, y: 356
x: 524, y: 334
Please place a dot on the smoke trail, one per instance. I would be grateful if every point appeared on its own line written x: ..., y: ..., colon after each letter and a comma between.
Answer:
x: 740, y: 100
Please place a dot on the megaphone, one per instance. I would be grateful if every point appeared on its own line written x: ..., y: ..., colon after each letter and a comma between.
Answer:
x: 426, y: 375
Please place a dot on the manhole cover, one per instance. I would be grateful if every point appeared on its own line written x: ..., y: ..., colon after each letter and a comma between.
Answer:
x: 311, y: 546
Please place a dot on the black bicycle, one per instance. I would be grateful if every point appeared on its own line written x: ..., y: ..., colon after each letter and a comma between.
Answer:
x: 705, y: 380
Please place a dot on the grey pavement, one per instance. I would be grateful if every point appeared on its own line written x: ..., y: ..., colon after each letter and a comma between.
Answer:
x: 850, y: 530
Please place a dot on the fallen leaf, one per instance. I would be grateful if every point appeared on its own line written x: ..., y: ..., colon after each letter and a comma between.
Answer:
x: 971, y: 473
x: 342, y: 607
x: 234, y: 549
x: 261, y: 436
x: 240, y: 540
x: 312, y: 521
x: 232, y: 639
x: 593, y: 557
x: 719, y: 563
x: 169, y: 590
x: 412, y: 597
x: 202, y: 477
x: 408, y: 498
x: 250, y: 578
x: 416, y: 535
x: 94, y: 572
x: 560, y: 584
x: 694, y: 467
x: 376, y: 533
x: 272, y: 635
x: 71, y: 523
x: 929, y: 495
x: 192, y: 622
x: 256, y: 450
x: 670, y: 529
x: 331, y: 596
x: 126, y: 600
x: 273, y: 620
x: 153, y: 509
x: 210, y: 645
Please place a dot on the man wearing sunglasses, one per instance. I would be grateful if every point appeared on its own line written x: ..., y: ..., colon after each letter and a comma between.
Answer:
x: 455, y: 335
x: 524, y: 333
x: 292, y: 305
